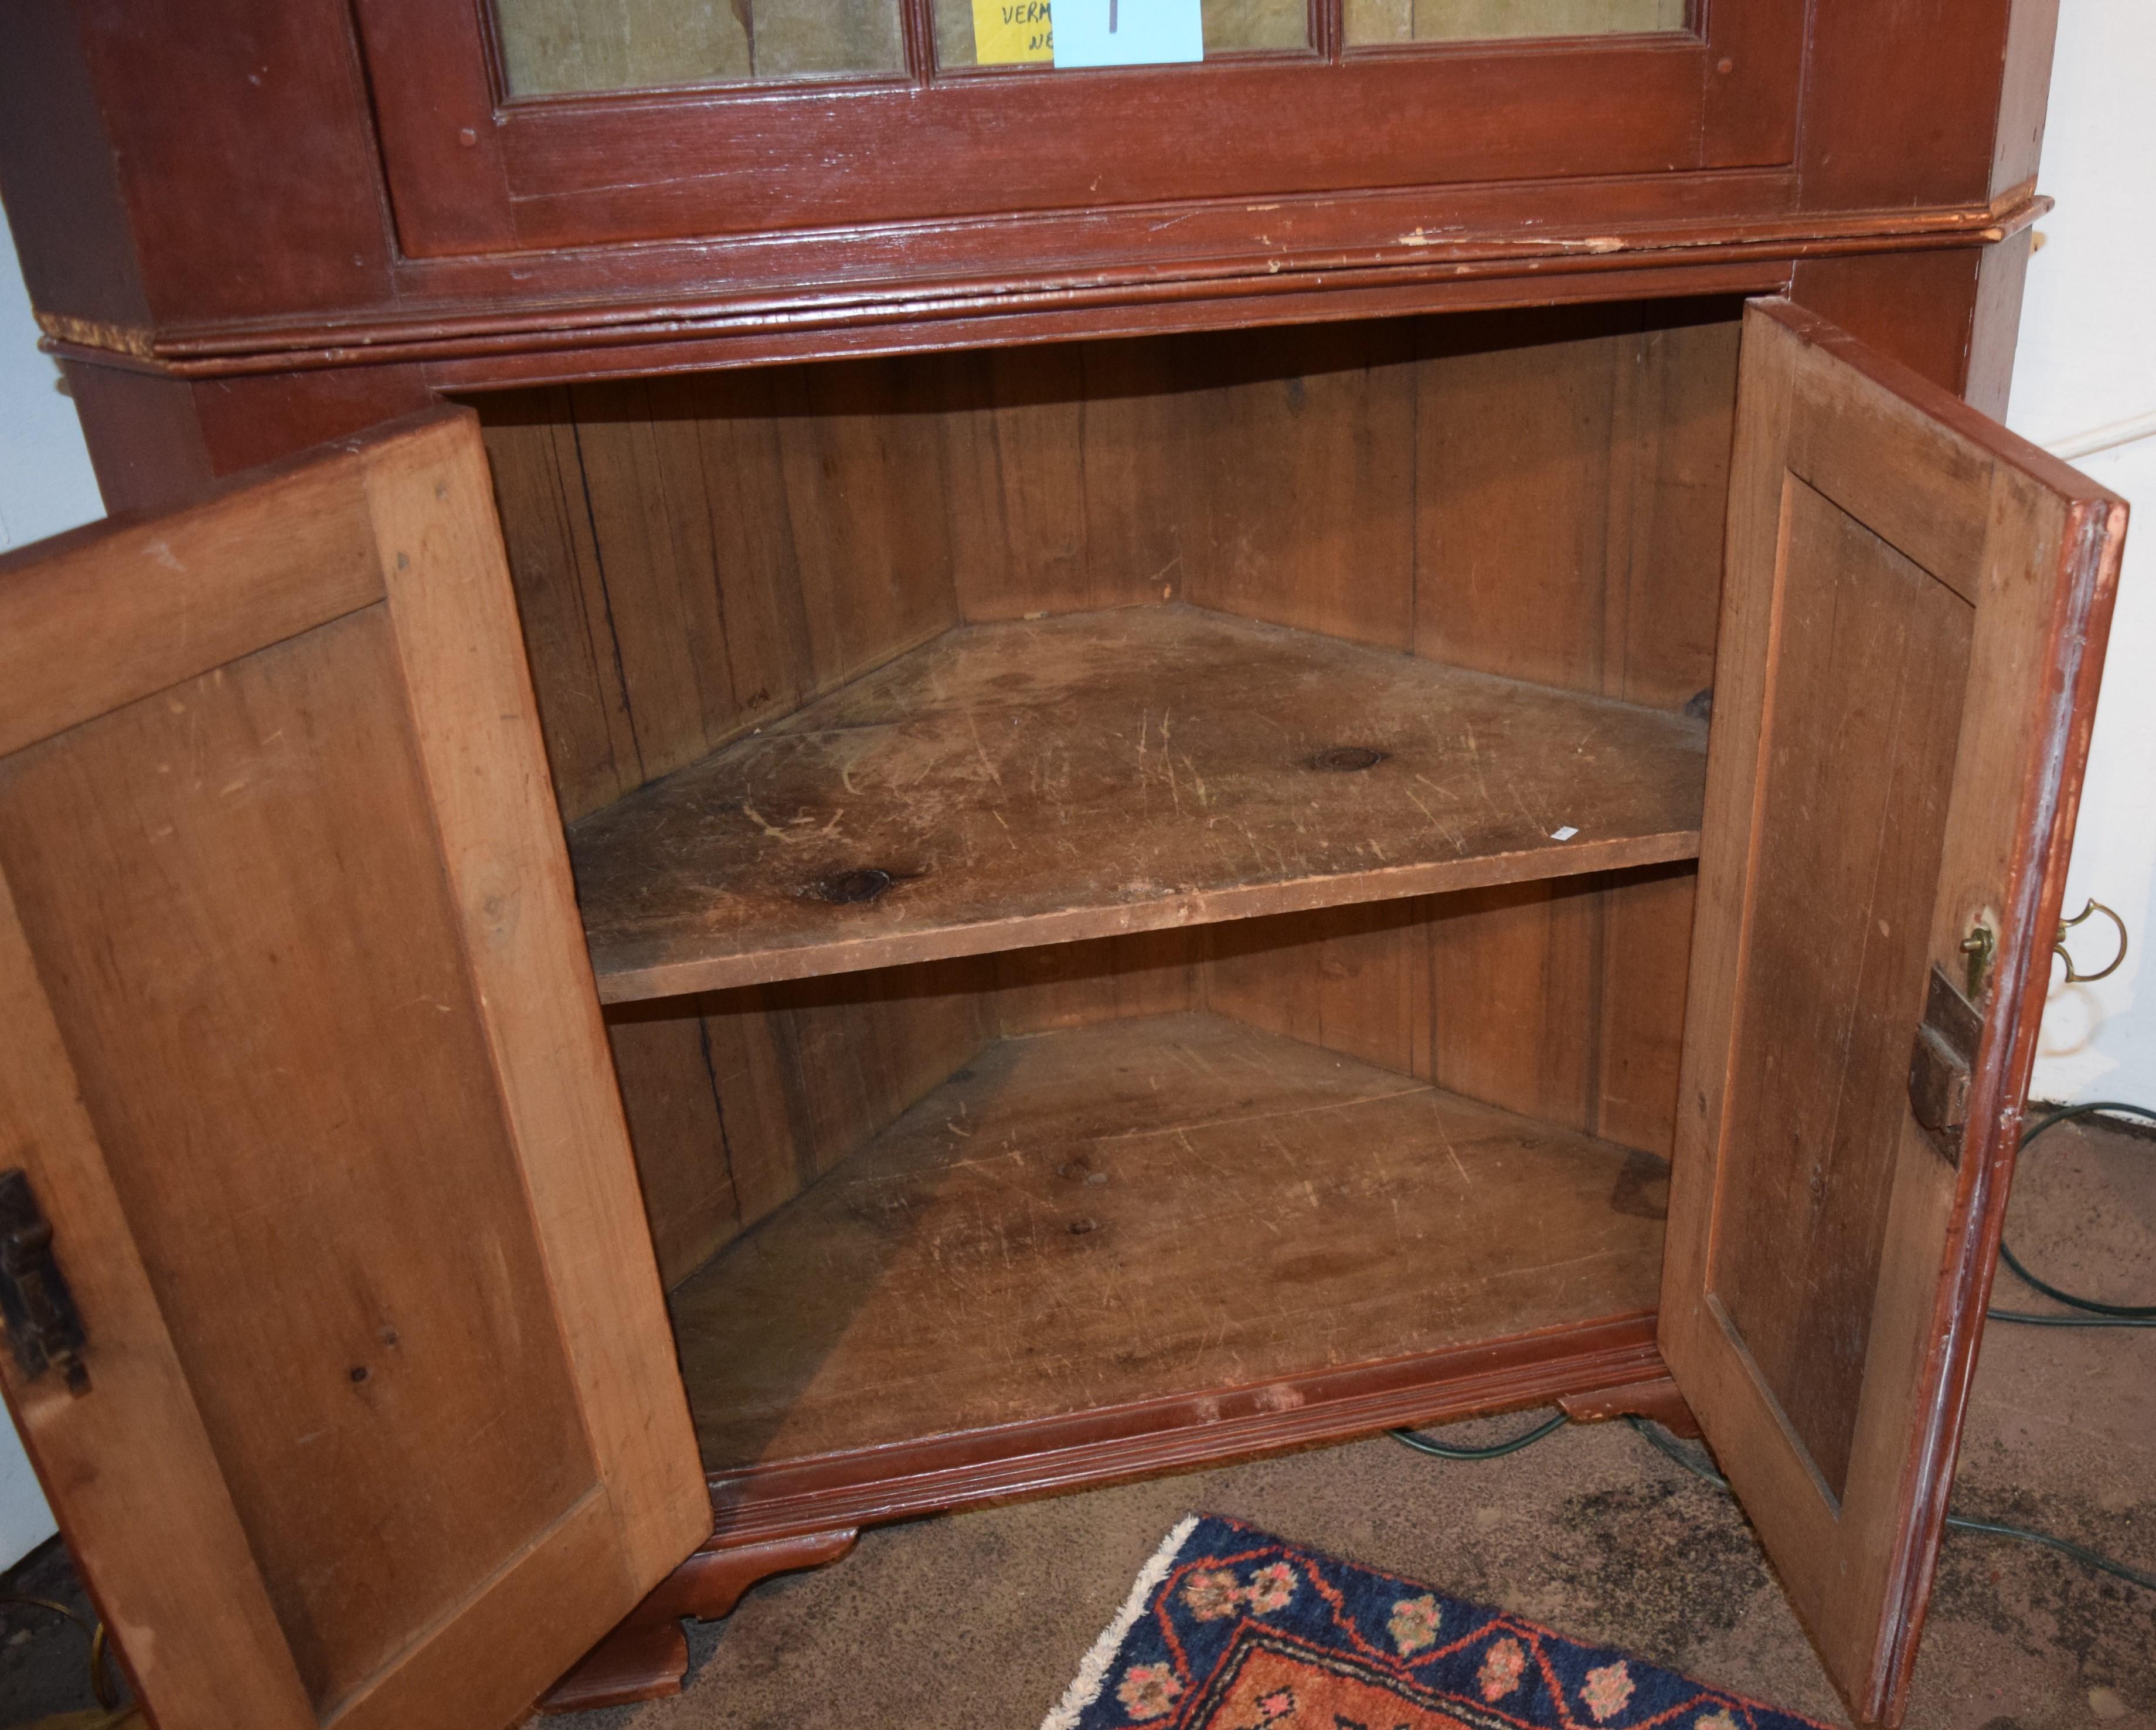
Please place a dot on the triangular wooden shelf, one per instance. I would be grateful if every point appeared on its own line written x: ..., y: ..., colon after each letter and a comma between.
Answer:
x: 1050, y: 780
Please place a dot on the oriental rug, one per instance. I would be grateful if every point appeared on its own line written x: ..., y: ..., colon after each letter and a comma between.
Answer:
x: 1229, y: 1629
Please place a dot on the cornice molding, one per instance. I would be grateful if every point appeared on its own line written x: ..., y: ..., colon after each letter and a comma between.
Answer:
x: 435, y: 332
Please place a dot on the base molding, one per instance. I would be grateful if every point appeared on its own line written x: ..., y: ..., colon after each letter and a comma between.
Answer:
x: 1656, y: 1397
x: 646, y: 1656
x: 800, y: 1514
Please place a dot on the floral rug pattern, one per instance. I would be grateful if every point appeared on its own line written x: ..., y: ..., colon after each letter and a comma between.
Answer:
x: 1229, y: 1629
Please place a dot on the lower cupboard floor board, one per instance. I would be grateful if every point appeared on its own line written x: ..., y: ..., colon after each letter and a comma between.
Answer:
x: 1174, y: 1205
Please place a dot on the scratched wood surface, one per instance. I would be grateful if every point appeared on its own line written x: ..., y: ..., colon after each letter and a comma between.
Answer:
x: 1537, y: 494
x: 694, y: 557
x: 1534, y: 494
x: 1079, y: 777
x: 739, y: 1100
x: 1142, y: 1207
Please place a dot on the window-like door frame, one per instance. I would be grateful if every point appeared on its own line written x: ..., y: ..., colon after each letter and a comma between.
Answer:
x: 472, y: 172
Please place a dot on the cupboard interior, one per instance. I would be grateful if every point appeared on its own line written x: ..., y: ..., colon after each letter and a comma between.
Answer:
x: 1072, y: 843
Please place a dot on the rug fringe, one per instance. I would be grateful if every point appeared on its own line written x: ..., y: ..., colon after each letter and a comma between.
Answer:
x: 1093, y: 1673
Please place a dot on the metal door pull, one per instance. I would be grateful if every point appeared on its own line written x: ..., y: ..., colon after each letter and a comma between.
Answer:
x: 2058, y: 947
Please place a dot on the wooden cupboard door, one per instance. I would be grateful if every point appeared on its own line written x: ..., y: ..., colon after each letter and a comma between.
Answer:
x: 1912, y: 623
x: 376, y: 1420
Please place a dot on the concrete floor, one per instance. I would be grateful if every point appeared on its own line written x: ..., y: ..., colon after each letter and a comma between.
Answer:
x: 978, y: 1621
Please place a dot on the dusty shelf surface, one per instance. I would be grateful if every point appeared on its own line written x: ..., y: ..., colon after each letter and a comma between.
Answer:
x: 1171, y: 1205
x: 1049, y: 780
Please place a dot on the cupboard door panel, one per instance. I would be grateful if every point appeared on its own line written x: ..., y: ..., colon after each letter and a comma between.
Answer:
x: 1912, y: 623
x: 379, y: 1423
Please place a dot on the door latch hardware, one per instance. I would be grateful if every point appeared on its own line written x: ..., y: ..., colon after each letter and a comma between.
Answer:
x: 1941, y: 1062
x: 1978, y: 945
x: 42, y: 1324
x: 2059, y: 948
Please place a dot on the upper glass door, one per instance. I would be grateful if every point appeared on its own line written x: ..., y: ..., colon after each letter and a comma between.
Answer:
x: 520, y: 125
x: 564, y: 47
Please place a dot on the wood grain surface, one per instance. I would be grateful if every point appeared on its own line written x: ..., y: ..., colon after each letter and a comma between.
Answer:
x: 1916, y: 606
x: 1180, y: 1203
x: 1863, y: 721
x: 1535, y: 494
x: 1052, y: 780
x: 696, y: 556
x: 363, y: 1366
x: 381, y: 1416
x: 739, y: 1100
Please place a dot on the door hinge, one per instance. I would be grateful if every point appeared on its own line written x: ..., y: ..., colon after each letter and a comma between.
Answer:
x: 42, y: 1324
x: 1941, y: 1062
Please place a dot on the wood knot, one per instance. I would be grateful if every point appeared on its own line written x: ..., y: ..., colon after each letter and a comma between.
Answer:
x: 1347, y: 759
x: 852, y: 888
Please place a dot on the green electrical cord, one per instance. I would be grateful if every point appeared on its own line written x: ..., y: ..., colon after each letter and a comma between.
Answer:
x: 2089, y: 1313
x: 2087, y: 1559
x: 1422, y: 1445
x: 1668, y: 1447
x: 2092, y: 1314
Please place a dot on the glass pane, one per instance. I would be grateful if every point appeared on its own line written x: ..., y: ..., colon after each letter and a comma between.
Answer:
x: 1016, y: 37
x: 1374, y: 21
x: 552, y: 47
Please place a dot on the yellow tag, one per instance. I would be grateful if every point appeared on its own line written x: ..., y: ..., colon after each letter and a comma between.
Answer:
x: 1006, y: 32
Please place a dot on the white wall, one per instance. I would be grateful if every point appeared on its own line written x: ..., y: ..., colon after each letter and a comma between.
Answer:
x: 45, y: 481
x: 2087, y: 361
x: 45, y: 486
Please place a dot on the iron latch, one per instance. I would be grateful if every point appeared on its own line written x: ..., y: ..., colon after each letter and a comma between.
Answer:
x: 42, y: 1324
x: 1941, y: 1064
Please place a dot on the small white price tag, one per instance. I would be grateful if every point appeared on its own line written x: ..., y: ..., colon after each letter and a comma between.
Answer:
x: 1128, y: 32
x: 1563, y: 834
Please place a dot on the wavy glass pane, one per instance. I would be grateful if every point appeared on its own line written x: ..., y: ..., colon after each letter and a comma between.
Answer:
x: 1371, y: 21
x: 556, y: 47
x: 1231, y: 27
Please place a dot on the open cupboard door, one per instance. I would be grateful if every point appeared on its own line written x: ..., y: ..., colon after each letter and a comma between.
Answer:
x: 1913, y: 615
x: 345, y: 1367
